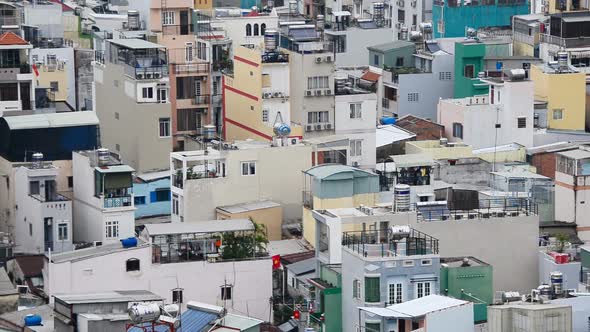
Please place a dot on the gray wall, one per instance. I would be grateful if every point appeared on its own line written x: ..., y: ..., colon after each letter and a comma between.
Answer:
x: 571, y: 271
x: 580, y: 311
x: 84, y: 79
x: 357, y: 41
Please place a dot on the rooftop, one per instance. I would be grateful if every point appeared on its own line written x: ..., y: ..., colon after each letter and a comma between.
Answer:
x: 30, y: 265
x: 247, y: 207
x: 389, y: 134
x: 418, y: 307
x: 412, y: 160
x: 576, y: 154
x: 385, y: 47
x: 17, y: 318
x: 51, y: 120
x: 288, y: 247
x: 200, y: 227
x: 325, y: 171
x: 460, y: 261
x: 9, y: 39
x: 106, y: 249
x: 6, y: 286
x: 302, y: 267
x: 519, y: 173
x: 135, y: 44
x: 109, y: 297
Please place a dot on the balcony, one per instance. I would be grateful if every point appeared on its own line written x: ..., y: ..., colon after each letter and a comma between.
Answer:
x: 117, y: 202
x: 202, y: 100
x: 146, y: 73
x: 398, y: 241
x: 11, y: 72
x: 565, y: 42
x: 275, y: 58
x: 191, y: 68
x: 181, y: 30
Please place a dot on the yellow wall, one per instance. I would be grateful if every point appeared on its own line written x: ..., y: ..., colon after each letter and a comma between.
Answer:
x: 523, y: 49
x: 203, y: 4
x: 504, y: 156
x: 60, y: 76
x: 272, y: 218
x: 562, y: 91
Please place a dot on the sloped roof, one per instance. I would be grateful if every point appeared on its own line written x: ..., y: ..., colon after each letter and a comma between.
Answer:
x: 370, y: 76
x: 10, y: 38
x: 30, y: 265
x: 324, y: 171
x: 418, y: 307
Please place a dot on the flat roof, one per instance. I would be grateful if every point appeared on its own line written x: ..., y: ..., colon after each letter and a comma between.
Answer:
x: 412, y: 160
x: 107, y: 297
x: 302, y: 267
x: 458, y: 261
x: 288, y: 247
x: 326, y: 170
x: 135, y: 44
x: 390, y: 45
x: 418, y: 307
x: 92, y: 252
x: 576, y: 154
x: 247, y: 207
x: 51, y: 120
x: 194, y: 227
x: 520, y: 174
x: 151, y: 176
x: 114, y: 169
x: 388, y: 134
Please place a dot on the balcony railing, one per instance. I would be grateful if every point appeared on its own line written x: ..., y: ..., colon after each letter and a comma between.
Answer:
x: 275, y: 58
x: 202, y: 100
x: 191, y: 68
x: 181, y: 30
x: 117, y: 202
x: 388, y: 244
x: 565, y: 42
x: 146, y: 73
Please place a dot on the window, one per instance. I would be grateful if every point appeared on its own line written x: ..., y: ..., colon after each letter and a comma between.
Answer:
x: 356, y: 289
x: 226, y: 292
x: 372, y: 293
x: 112, y: 229
x: 30, y: 229
x: 317, y: 82
x: 399, y: 61
x: 318, y: 117
x: 34, y: 188
x: 189, y: 52
x: 116, y: 115
x: 413, y: 97
x: 62, y: 232
x: 54, y: 86
x: 469, y: 71
x: 356, y: 147
x: 139, y: 200
x: 177, y: 295
x: 414, y: 20
x: 160, y: 195
x: 70, y: 182
x: 422, y: 289
x: 248, y: 168
x: 162, y: 95
x: 132, y: 264
x: 188, y: 119
x: 355, y: 110
x: 256, y: 29
x: 444, y: 75
x: 373, y: 327
x: 426, y: 262
x: 401, y: 16
x: 521, y: 122
x: 557, y: 114
x: 248, y: 29
x: 408, y: 263
x: 264, y: 115
x: 458, y: 130
x: 395, y: 293
x: 168, y: 18
x: 376, y: 60
x: 164, y: 127
x: 117, y: 147
x: 175, y: 204
x: 51, y: 60
x: 262, y: 29
x: 147, y: 93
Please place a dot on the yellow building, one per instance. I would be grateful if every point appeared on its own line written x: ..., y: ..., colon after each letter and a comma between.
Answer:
x: 54, y: 77
x: 564, y: 90
x: 256, y: 95
x: 333, y: 186
x: 204, y: 4
x: 437, y: 149
x: 267, y: 213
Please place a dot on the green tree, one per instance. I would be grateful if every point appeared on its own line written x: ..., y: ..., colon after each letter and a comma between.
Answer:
x: 240, y: 246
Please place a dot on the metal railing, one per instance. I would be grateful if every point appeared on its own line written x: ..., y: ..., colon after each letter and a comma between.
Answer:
x: 484, y: 209
x: 202, y: 100
x: 116, y: 202
x: 146, y: 73
x: 388, y: 244
x: 275, y: 58
x: 565, y: 42
x: 191, y: 68
x: 181, y: 30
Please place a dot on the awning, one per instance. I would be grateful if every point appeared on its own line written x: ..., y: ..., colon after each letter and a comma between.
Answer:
x: 384, y: 312
x: 114, y: 169
x: 370, y: 76
x: 342, y: 13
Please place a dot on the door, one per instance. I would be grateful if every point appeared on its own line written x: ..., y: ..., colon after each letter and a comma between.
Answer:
x: 184, y: 27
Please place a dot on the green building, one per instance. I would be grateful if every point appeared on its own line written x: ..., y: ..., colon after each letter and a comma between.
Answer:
x: 396, y: 54
x: 327, y: 315
x: 468, y: 278
x: 469, y: 61
x: 585, y: 260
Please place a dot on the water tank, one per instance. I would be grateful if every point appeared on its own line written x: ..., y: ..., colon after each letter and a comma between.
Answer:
x: 510, y: 297
x: 544, y: 292
x: 557, y: 282
x: 415, y: 35
x: 144, y: 312
x: 172, y: 309
x: 133, y: 22
x: 293, y: 7
x: 270, y: 3
x: 425, y: 27
x: 562, y: 58
x: 401, y: 198
x: 37, y: 160
x: 129, y: 242
x: 103, y: 156
x: 209, y: 132
x: 379, y: 13
x: 320, y: 23
x: 282, y: 129
x: 516, y: 74
x: 33, y: 320
x: 387, y: 120
x: 270, y: 40
x: 404, y: 33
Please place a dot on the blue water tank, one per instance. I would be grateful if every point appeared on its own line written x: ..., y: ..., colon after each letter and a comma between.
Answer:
x: 129, y: 242
x: 33, y: 320
x: 387, y: 120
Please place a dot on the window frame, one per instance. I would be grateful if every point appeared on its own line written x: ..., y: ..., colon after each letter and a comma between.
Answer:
x: 112, y: 229
x: 356, y: 289
x: 395, y: 293
x: 225, y: 295
x: 356, y: 110
x: 164, y: 127
x: 356, y: 147
x: 139, y: 200
x: 168, y: 18
x: 250, y: 169
x: 472, y: 66
x: 519, y: 122
x: 556, y: 111
x: 423, y: 288
x: 61, y: 234
x: 132, y: 267
x: 457, y: 130
x: 372, y: 289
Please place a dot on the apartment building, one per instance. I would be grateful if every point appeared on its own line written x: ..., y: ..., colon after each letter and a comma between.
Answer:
x: 526, y: 30
x: 17, y: 82
x: 563, y: 88
x: 175, y: 269
x: 132, y: 84
x: 104, y: 207
x: 245, y: 29
x: 57, y: 80
x: 502, y: 116
x: 43, y: 216
x: 243, y: 172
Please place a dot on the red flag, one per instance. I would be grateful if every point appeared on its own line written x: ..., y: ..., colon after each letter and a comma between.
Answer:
x: 276, y: 262
x: 35, y: 70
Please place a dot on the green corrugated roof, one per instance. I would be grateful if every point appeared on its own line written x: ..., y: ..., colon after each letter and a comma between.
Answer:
x: 390, y: 46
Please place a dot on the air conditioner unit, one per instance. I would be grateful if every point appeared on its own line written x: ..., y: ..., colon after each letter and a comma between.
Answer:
x: 355, y: 164
x: 139, y: 76
x: 458, y: 217
x: 309, y: 128
x: 514, y: 214
x: 156, y: 75
x: 308, y: 92
x: 329, y: 58
x: 500, y: 214
x: 97, y: 243
x: 266, y: 95
x: 485, y: 215
x: 276, y: 94
x: 318, y: 92
x: 328, y: 92
x: 328, y: 126
x: 318, y: 60
x: 294, y: 141
x: 148, y: 75
x: 318, y: 127
x: 22, y: 289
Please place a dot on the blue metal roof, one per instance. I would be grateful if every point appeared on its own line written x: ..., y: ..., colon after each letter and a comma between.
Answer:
x: 190, y: 320
x: 147, y: 327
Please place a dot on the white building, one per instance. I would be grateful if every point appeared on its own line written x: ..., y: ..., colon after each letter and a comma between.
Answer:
x: 43, y: 217
x: 167, y: 257
x: 244, y: 30
x: 503, y: 116
x: 104, y: 209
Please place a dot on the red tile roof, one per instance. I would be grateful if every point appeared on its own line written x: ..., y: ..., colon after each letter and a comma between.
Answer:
x: 10, y: 38
x: 370, y: 76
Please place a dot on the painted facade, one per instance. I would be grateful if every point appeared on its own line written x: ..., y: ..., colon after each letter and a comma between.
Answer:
x: 150, y: 197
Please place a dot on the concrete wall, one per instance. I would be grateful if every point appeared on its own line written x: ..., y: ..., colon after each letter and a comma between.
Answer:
x: 150, y: 208
x: 235, y: 29
x: 571, y: 271
x: 65, y: 76
x: 47, y: 17
x: 131, y: 126
x: 580, y: 311
x: 459, y: 317
x: 84, y: 78
x: 90, y: 275
x: 272, y: 218
x: 357, y: 41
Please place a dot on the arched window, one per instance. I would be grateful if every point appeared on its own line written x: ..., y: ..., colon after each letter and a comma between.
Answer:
x: 132, y: 264
x: 256, y: 29
x: 248, y: 30
x: 262, y: 29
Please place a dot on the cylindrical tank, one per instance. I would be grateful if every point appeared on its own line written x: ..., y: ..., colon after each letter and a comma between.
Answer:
x: 102, y: 155
x: 133, y: 22
x: 415, y: 35
x: 270, y: 40
x: 320, y: 23
x: 209, y: 132
x: 425, y: 27
x: 378, y: 13
x: 544, y: 292
x: 37, y: 160
x: 401, y: 198
x: 129, y: 242
x: 387, y: 120
x: 282, y: 129
x: 171, y: 309
x: 144, y: 312
x: 33, y: 320
x: 562, y: 58
x: 557, y: 282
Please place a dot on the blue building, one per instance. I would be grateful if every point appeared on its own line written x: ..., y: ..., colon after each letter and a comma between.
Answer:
x: 451, y: 17
x: 152, y: 194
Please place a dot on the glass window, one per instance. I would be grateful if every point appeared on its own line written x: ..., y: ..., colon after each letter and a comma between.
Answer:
x: 164, y: 127
x: 62, y: 232
x: 147, y: 93
x: 112, y: 229
x: 356, y: 289
x: 54, y: 86
x: 248, y: 29
x: 395, y: 293
x: 376, y: 60
x: 34, y: 188
x: 423, y: 289
x: 168, y: 18
x: 356, y: 147
x: 372, y: 292
x: 262, y: 29
x: 557, y: 114
x: 413, y: 97
x: 160, y: 195
x: 139, y: 200
x: 256, y: 32
x: 399, y: 61
x: 355, y: 110
x: 248, y: 168
x: 469, y: 71
x: 458, y: 130
x: 226, y: 292
x: 373, y: 327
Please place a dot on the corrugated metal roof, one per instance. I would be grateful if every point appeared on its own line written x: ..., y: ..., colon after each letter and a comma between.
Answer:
x: 196, y: 227
x: 106, y: 249
x: 384, y: 312
x: 388, y: 134
x: 412, y: 160
x: 325, y: 171
x: 390, y: 46
x: 115, y: 296
x: 302, y: 267
x: 51, y: 120
x: 247, y: 207
x: 134, y: 43
x: 576, y: 154
x: 425, y: 305
x: 151, y: 176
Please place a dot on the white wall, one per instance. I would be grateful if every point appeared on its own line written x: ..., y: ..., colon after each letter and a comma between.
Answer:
x: 460, y: 318
x: 63, y: 54
x: 235, y: 28
x: 363, y: 128
x: 279, y: 82
x: 201, y: 280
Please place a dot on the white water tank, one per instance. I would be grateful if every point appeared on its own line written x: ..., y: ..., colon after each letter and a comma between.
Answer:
x: 103, y: 155
x: 401, y: 198
x: 37, y: 160
x: 144, y: 312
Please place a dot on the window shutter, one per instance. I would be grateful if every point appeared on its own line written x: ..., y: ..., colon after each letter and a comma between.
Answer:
x: 153, y: 197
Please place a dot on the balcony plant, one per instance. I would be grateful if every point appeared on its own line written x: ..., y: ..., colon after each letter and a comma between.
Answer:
x: 249, y: 245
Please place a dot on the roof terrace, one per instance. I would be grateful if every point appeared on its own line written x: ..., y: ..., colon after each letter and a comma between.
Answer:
x: 398, y: 241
